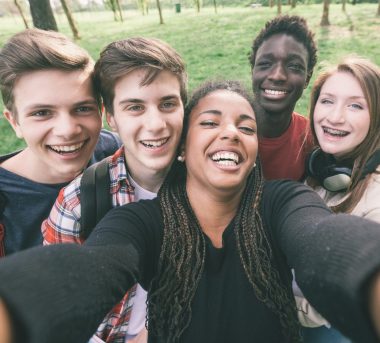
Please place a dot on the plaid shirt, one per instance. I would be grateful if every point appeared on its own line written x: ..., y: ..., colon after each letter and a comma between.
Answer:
x: 63, y: 226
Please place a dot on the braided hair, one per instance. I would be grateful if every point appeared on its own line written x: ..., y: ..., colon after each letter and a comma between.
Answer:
x: 183, y: 249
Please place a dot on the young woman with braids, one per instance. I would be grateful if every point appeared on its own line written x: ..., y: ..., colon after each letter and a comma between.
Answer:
x: 214, y: 250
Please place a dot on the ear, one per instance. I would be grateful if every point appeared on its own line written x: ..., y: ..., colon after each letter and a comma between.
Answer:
x: 111, y: 121
x: 181, y: 153
x: 13, y: 122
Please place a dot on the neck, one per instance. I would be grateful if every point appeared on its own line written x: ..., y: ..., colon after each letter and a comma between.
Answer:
x: 214, y: 211
x: 272, y: 125
x: 148, y: 179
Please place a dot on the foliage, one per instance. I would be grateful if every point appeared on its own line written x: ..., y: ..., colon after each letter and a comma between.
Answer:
x: 217, y: 45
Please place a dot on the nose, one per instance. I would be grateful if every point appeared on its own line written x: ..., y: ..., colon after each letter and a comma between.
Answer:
x: 231, y: 132
x: 66, y: 125
x: 336, y: 114
x: 154, y: 120
x: 278, y: 73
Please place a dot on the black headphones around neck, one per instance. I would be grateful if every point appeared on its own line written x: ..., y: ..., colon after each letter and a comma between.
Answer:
x: 334, y: 175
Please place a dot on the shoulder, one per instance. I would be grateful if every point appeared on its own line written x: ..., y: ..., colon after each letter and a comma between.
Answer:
x: 108, y: 143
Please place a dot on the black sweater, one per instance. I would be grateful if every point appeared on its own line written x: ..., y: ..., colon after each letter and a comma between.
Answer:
x: 61, y: 293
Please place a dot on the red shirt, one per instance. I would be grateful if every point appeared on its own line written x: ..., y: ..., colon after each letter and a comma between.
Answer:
x: 284, y: 157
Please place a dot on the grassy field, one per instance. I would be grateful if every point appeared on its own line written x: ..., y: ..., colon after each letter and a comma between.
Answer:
x: 217, y: 45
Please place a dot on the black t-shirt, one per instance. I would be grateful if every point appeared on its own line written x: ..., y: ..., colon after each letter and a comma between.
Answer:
x: 69, y: 288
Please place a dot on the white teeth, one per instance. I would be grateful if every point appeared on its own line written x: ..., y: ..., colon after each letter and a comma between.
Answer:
x: 154, y: 144
x: 226, y: 158
x: 66, y: 148
x: 335, y: 132
x: 274, y: 92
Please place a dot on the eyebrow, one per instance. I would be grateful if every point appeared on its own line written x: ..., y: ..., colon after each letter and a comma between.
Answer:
x: 349, y: 97
x: 242, y: 116
x: 272, y: 55
x: 50, y: 106
x: 139, y: 101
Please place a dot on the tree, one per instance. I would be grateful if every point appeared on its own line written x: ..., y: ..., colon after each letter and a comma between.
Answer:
x: 70, y: 19
x: 279, y: 4
x: 19, y: 8
x: 294, y: 2
x: 198, y: 5
x: 325, y: 15
x: 344, y: 5
x: 42, y: 15
x: 378, y: 9
x: 159, y: 11
x: 216, y: 11
x: 119, y: 9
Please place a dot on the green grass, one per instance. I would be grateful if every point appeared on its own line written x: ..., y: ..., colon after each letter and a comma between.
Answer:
x: 217, y: 45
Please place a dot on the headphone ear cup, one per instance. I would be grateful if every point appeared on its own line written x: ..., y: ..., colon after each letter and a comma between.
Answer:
x: 324, y: 169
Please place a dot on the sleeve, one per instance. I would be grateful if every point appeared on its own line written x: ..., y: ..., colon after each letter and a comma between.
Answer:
x: 334, y: 256
x: 63, y: 223
x: 60, y: 293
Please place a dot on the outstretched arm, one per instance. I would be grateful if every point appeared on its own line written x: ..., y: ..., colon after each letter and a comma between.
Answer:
x: 5, y: 324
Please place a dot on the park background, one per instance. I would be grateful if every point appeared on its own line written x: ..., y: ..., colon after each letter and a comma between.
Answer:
x: 214, y: 37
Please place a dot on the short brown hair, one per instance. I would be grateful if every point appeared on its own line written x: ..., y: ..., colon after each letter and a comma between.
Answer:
x: 34, y: 50
x: 124, y: 56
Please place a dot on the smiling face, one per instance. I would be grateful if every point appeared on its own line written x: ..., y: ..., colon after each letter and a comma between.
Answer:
x: 341, y: 115
x: 149, y: 120
x: 221, y: 143
x: 58, y: 117
x: 279, y: 74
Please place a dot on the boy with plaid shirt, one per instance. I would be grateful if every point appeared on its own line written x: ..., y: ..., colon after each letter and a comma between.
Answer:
x: 143, y: 86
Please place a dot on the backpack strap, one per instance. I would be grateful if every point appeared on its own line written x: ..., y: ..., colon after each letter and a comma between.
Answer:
x: 2, y: 229
x: 95, y: 196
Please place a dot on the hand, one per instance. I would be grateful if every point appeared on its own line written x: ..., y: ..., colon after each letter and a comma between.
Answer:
x: 142, y: 337
x: 5, y: 325
x: 374, y: 303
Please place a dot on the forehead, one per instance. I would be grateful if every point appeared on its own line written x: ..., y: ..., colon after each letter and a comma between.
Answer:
x: 226, y: 102
x: 47, y: 86
x: 130, y: 85
x: 342, y: 82
x: 282, y: 46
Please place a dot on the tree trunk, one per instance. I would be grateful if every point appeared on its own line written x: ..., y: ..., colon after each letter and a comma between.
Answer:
x: 378, y: 9
x: 344, y: 5
x: 279, y: 4
x: 216, y: 11
x: 271, y: 3
x: 21, y: 13
x: 294, y: 3
x: 119, y: 9
x: 198, y: 5
x: 42, y: 15
x: 70, y: 19
x: 159, y: 11
x: 325, y: 14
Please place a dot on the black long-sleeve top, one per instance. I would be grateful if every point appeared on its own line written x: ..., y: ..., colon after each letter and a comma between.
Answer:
x: 60, y: 293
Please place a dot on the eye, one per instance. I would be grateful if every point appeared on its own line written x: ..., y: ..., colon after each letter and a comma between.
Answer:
x: 85, y: 109
x: 263, y: 64
x: 135, y: 108
x: 326, y: 101
x: 296, y: 67
x: 168, y: 105
x: 41, y: 113
x: 247, y: 130
x: 356, y: 106
x: 208, y: 123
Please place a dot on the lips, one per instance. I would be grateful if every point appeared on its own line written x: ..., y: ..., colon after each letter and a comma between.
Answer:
x: 67, y: 149
x: 275, y: 92
x: 334, y: 132
x: 153, y: 144
x: 226, y: 158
